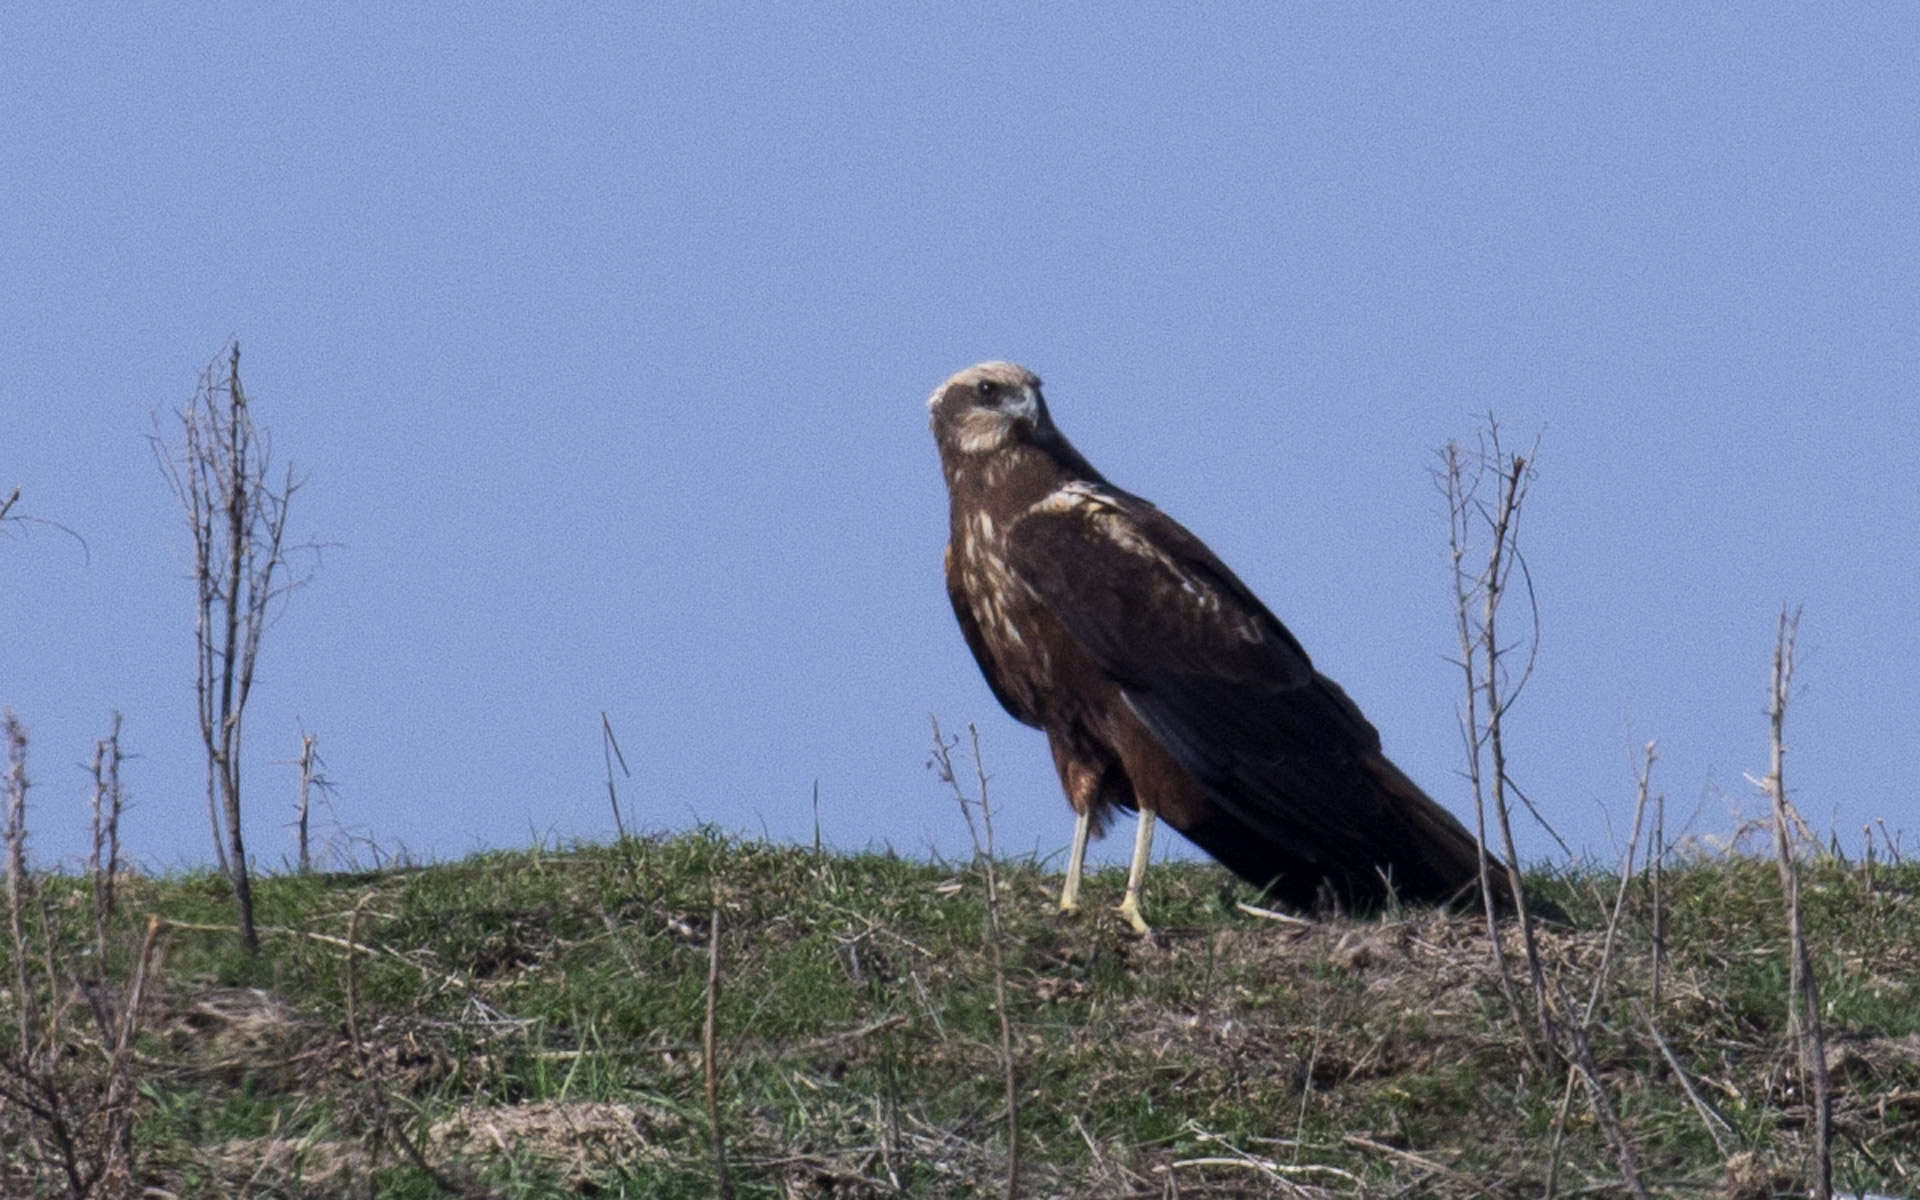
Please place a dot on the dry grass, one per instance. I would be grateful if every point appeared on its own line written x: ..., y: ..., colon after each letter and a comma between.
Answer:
x: 533, y: 1025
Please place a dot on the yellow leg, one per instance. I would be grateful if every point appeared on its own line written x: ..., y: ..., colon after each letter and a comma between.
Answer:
x: 1076, y: 862
x: 1137, y: 874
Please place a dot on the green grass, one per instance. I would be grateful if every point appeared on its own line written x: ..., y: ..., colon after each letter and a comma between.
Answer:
x: 531, y: 1023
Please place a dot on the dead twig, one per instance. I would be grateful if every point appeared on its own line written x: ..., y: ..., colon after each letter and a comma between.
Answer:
x: 1361, y: 1142
x: 1557, y: 1138
x: 983, y: 857
x: 1710, y: 1116
x: 346, y: 943
x: 1268, y: 914
x: 310, y: 764
x: 1461, y: 481
x: 1491, y: 691
x: 610, y: 750
x: 1658, y: 856
x: 1580, y: 1054
x: 1803, y: 990
x: 79, y: 1106
x: 103, y: 860
x: 1576, y: 1068
x: 830, y: 1040
x: 117, y: 1171
x: 7, y: 514
x: 352, y: 981
x: 237, y: 516
x: 385, y: 1125
x: 1626, y: 880
x: 18, y: 884
x: 1500, y: 693
x: 716, y: 1140
x: 1279, y: 1173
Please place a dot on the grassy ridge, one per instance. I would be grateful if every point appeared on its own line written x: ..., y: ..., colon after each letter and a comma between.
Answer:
x: 529, y: 1024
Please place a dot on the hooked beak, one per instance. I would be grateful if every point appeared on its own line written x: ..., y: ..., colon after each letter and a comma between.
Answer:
x: 1026, y: 406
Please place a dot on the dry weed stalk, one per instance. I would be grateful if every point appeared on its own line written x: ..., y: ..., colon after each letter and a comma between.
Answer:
x: 17, y: 882
x: 1803, y: 991
x: 78, y: 1107
x: 709, y: 1063
x: 118, y: 1030
x: 103, y: 860
x: 1477, y: 598
x: 610, y: 750
x: 1579, y: 1054
x: 1421, y: 1161
x: 238, y: 519
x: 1657, y: 862
x: 1710, y: 1116
x: 1277, y: 1174
x: 356, y: 1043
x: 310, y: 762
x: 7, y: 515
x: 983, y: 855
x: 386, y: 1124
x: 1491, y: 690
x: 1866, y: 861
x: 1626, y: 880
x: 1572, y: 1043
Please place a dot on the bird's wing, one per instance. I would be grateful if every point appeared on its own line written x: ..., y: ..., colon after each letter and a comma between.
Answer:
x: 1143, y: 595
x: 1213, y: 675
x: 970, y: 629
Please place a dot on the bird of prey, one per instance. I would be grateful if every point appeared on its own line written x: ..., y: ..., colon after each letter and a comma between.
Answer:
x: 1162, y: 683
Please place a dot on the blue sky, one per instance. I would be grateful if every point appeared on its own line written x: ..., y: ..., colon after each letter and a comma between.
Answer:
x: 602, y: 336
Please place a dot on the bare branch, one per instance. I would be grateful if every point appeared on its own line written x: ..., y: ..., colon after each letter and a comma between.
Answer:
x: 23, y: 519
x: 1461, y: 484
x: 610, y: 750
x: 983, y: 857
x: 1490, y: 689
x: 237, y: 516
x: 710, y: 1068
x: 18, y: 885
x: 1626, y: 880
x: 1710, y: 1116
x: 309, y: 761
x: 1803, y: 991
x: 103, y: 860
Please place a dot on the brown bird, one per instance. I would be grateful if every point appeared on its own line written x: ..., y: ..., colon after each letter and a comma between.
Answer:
x: 1163, y: 684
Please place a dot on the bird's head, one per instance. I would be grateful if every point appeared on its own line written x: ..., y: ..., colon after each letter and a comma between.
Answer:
x: 989, y: 407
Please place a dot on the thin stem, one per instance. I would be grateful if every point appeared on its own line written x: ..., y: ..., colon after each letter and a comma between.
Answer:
x: 1803, y: 990
x: 716, y: 1140
x: 983, y: 857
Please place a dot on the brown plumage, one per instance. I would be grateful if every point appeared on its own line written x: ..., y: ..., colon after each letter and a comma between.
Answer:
x: 1163, y: 684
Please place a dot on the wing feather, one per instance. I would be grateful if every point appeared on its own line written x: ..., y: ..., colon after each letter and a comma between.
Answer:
x: 1144, y: 596
x: 1210, y: 672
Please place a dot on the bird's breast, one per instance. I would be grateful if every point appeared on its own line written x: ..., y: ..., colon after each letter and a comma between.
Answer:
x: 1012, y: 621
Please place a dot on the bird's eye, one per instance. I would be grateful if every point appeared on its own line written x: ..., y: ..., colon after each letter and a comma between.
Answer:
x: 984, y: 388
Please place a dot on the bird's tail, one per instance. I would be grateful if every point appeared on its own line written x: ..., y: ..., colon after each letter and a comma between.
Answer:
x: 1437, y: 855
x: 1446, y: 857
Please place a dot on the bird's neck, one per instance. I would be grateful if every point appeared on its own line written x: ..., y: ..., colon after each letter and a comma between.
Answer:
x: 1007, y: 481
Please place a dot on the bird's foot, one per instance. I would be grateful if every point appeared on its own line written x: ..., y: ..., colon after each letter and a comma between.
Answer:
x: 1070, y: 897
x: 1129, y: 907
